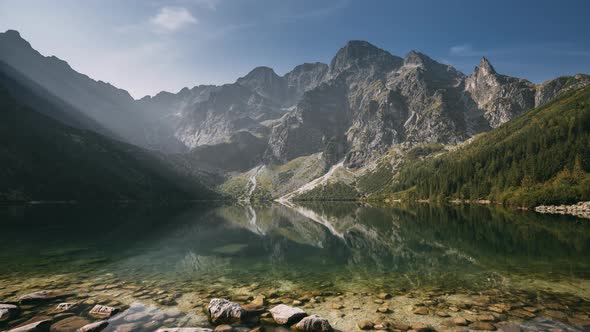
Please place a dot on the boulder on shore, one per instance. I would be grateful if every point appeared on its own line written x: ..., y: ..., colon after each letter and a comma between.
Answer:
x: 286, y: 315
x: 222, y: 311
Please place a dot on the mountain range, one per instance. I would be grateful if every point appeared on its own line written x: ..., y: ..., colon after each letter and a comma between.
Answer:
x: 270, y: 136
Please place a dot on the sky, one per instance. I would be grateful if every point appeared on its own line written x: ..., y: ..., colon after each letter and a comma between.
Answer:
x: 146, y: 46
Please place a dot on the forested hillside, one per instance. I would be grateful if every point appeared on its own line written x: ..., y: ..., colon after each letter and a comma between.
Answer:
x: 541, y: 157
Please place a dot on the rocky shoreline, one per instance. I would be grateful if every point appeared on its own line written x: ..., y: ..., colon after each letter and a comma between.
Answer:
x: 581, y: 209
x: 254, y: 309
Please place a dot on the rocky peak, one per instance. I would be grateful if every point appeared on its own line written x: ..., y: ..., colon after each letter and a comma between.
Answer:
x: 417, y: 59
x: 13, y: 39
x: 304, y: 78
x: 264, y: 81
x: 261, y: 73
x: 485, y: 67
x: 359, y: 53
x: 11, y: 35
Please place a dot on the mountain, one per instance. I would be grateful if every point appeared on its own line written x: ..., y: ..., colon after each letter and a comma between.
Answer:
x: 44, y: 159
x: 371, y: 102
x: 210, y: 115
x: 111, y: 107
x: 541, y: 157
x: 366, y: 108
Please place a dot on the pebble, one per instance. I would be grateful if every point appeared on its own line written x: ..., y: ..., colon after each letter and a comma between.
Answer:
x: 420, y: 311
x: 365, y: 325
x: 482, y: 326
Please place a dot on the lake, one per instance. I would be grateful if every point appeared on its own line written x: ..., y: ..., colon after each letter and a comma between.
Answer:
x: 340, y: 260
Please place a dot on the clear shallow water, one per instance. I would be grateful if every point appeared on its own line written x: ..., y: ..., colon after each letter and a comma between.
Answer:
x: 160, y: 254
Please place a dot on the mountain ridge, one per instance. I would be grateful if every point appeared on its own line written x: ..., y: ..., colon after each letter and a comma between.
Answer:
x: 350, y: 111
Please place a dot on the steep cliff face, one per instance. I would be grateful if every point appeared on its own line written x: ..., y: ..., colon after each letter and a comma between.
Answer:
x: 210, y: 115
x: 389, y: 100
x: 229, y: 109
x: 303, y: 78
x: 265, y: 82
x: 501, y: 97
x: 317, y: 123
x: 411, y: 100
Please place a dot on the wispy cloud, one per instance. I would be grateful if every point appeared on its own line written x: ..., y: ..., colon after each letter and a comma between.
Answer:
x: 549, y: 48
x: 464, y: 50
x: 170, y: 19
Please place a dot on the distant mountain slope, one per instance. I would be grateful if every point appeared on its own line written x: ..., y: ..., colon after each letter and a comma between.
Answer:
x: 541, y: 157
x: 44, y: 159
x: 43, y: 101
x: 111, y: 107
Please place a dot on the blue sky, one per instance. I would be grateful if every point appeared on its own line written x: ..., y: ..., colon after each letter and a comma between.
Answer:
x: 146, y: 46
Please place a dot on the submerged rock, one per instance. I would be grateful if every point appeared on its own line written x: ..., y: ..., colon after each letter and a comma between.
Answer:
x: 40, y: 326
x: 314, y: 323
x: 365, y: 325
x: 70, y: 324
x: 65, y: 306
x: 94, y: 327
x: 184, y: 329
x: 102, y: 311
x: 485, y: 326
x: 222, y: 311
x: 8, y: 311
x: 42, y: 296
x: 286, y: 315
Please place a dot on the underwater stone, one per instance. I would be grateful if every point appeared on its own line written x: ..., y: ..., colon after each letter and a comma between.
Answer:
x: 42, y: 296
x: 94, y: 327
x: 284, y: 314
x: 65, y: 306
x: 223, y: 311
x: 103, y: 311
x: 184, y: 329
x: 8, y: 311
x: 314, y: 323
x: 40, y: 326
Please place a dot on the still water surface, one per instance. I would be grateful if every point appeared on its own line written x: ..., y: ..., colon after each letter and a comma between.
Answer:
x: 342, y: 247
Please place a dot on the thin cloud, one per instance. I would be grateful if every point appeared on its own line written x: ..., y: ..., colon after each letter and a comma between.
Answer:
x: 170, y: 19
x: 464, y: 50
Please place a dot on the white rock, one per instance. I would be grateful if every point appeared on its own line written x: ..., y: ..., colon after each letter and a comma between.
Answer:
x: 286, y: 315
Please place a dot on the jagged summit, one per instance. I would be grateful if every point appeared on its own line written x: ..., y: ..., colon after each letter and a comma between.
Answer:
x: 360, y: 53
x: 485, y: 67
x: 416, y: 58
x: 261, y: 71
x: 13, y: 38
x: 357, y: 49
x: 12, y: 33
